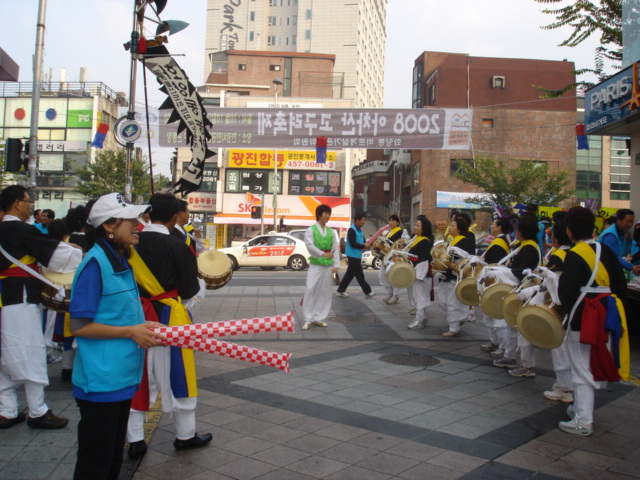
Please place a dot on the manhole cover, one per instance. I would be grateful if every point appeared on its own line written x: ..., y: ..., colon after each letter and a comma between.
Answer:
x: 355, y: 320
x: 410, y: 359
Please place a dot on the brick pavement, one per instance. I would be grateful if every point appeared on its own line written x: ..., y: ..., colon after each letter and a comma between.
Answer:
x: 345, y: 413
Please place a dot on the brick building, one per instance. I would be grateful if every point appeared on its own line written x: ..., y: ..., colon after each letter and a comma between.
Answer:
x: 510, y: 120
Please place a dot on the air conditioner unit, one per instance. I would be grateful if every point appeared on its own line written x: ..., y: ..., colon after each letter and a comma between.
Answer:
x: 386, y: 186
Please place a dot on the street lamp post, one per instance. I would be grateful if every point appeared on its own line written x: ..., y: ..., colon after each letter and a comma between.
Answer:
x: 276, y: 82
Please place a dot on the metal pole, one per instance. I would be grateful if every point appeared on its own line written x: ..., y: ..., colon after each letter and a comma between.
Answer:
x: 35, y: 102
x: 131, y: 113
x: 275, y: 172
x: 262, y: 215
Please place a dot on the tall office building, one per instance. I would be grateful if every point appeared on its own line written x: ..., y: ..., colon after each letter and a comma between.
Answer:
x: 355, y: 32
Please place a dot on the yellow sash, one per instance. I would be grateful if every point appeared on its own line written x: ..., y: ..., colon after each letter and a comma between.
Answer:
x: 179, y: 314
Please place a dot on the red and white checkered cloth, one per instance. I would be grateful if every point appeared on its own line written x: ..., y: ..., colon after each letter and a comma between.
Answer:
x: 199, y: 337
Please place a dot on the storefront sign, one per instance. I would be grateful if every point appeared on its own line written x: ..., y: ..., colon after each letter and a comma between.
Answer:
x: 290, y: 160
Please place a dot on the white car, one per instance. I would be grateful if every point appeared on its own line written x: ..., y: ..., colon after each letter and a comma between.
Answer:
x: 370, y: 260
x: 268, y: 252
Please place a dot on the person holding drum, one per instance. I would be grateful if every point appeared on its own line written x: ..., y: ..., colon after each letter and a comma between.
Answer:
x: 421, y: 290
x: 455, y: 310
x: 322, y: 243
x: 496, y: 251
x: 527, y: 256
x: 110, y: 329
x: 562, y: 389
x: 167, y: 274
x: 394, y: 233
x: 592, y: 289
x: 23, y: 247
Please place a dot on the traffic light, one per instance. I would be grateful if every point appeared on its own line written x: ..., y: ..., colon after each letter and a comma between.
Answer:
x: 13, y: 155
x: 256, y: 212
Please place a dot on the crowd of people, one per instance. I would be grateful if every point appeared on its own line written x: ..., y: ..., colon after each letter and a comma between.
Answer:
x: 588, y: 277
x: 136, y: 270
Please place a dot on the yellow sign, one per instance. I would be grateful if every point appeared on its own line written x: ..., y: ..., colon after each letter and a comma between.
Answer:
x: 292, y: 160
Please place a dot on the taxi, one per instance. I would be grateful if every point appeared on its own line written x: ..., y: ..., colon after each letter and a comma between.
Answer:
x: 268, y: 252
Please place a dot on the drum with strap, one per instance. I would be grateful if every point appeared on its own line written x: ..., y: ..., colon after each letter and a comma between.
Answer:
x: 440, y: 258
x: 495, y: 282
x: 512, y: 302
x: 50, y: 296
x: 400, y: 271
x: 540, y: 319
x: 467, y: 286
x: 214, y: 268
x: 381, y: 247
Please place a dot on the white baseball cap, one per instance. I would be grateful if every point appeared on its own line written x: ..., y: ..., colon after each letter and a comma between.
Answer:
x: 114, y: 205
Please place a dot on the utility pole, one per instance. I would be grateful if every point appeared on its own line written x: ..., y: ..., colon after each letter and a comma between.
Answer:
x: 35, y: 102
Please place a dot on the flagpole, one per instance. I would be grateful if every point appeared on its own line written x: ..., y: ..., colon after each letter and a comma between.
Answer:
x: 131, y: 113
x: 276, y: 82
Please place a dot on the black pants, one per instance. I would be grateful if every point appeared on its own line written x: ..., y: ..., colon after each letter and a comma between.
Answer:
x: 102, y: 431
x: 354, y: 269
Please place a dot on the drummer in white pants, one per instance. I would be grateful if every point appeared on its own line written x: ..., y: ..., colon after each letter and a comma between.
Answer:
x: 592, y: 275
x: 562, y: 389
x: 420, y: 291
x: 393, y: 234
x: 456, y: 311
x: 322, y: 243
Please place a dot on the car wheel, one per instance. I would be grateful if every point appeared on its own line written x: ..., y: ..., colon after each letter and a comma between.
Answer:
x: 297, y: 262
x: 234, y: 263
x: 377, y: 263
x: 267, y: 268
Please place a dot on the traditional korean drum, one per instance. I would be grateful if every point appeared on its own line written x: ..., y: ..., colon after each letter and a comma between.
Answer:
x: 380, y: 247
x: 214, y: 268
x: 512, y: 302
x: 541, y: 324
x: 467, y: 286
x: 495, y: 282
x: 440, y: 257
x: 49, y: 296
x: 400, y: 273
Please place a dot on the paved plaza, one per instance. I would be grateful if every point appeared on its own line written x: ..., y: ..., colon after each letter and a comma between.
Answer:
x: 366, y: 399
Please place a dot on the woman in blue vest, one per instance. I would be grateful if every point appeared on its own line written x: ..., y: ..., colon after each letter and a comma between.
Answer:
x: 354, y: 247
x: 108, y: 322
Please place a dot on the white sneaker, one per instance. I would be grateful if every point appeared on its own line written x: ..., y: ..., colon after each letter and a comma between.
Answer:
x: 393, y: 300
x: 320, y: 324
x: 371, y: 294
x: 559, y: 395
x: 417, y: 324
x: 497, y: 353
x: 576, y: 428
x: 386, y: 299
x: 342, y: 294
x: 306, y: 326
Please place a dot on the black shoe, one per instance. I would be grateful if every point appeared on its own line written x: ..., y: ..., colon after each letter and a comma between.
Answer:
x: 137, y: 449
x: 48, y: 421
x: 66, y: 374
x: 195, y: 442
x: 10, y: 422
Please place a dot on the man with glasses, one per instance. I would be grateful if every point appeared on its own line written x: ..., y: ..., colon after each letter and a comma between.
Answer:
x: 23, y: 358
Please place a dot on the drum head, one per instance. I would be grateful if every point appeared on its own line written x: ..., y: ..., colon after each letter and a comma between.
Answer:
x: 401, y: 275
x: 541, y: 325
x: 467, y: 292
x: 213, y: 263
x: 491, y: 299
x: 61, y: 279
x: 510, y: 306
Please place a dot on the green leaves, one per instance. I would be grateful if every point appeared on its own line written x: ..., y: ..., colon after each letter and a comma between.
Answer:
x: 527, y: 181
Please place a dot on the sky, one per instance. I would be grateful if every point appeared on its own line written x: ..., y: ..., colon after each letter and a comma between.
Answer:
x: 91, y: 34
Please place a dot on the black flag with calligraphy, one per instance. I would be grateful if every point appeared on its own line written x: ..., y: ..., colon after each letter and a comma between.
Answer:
x: 187, y: 109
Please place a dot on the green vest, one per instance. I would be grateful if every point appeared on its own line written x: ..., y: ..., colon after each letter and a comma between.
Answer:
x: 323, y: 243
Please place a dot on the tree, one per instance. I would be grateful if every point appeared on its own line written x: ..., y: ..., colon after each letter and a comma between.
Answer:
x: 106, y: 174
x: 587, y: 18
x: 529, y: 182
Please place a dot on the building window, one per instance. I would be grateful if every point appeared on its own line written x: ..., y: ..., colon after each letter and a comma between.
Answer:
x: 273, y: 3
x: 294, y: 39
x: 252, y: 16
x: 272, y: 21
x: 307, y: 34
x: 415, y: 177
x: 294, y: 20
x: 307, y: 14
x: 271, y: 40
x: 487, y: 123
x: 498, y: 82
x: 251, y: 36
x: 275, y: 68
x: 432, y: 94
x: 242, y: 66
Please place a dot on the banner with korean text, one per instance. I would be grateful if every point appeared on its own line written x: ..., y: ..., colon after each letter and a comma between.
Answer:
x: 433, y: 129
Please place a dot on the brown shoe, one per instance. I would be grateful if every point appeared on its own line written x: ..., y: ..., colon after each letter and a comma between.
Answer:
x: 451, y: 334
x: 48, y: 421
x: 10, y: 422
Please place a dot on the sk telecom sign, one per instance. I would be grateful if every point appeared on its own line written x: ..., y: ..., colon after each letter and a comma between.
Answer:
x: 295, y: 128
x: 612, y: 104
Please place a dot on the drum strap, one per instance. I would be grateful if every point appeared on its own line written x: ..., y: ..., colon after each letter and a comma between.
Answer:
x: 25, y: 264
